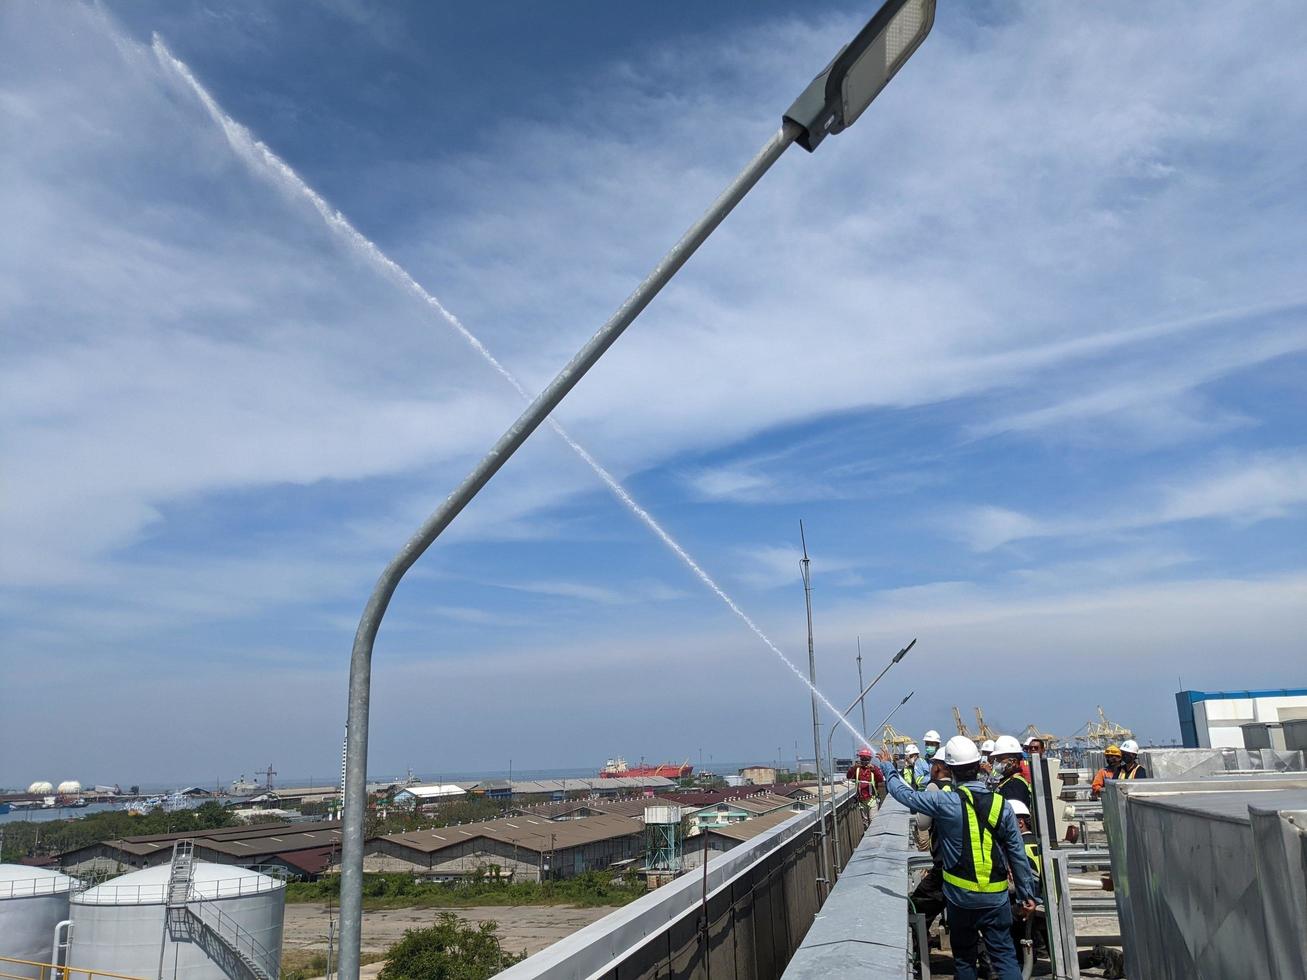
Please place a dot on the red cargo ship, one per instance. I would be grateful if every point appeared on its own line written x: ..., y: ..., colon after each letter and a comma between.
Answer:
x: 616, y: 768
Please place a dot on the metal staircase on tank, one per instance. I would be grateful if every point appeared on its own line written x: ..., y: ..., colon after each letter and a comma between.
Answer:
x: 224, y: 939
x: 221, y: 936
x: 180, y: 877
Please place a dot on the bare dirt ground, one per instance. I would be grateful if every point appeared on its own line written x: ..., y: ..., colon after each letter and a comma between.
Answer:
x: 524, y: 927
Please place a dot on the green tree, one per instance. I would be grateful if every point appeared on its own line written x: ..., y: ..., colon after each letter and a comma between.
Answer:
x: 449, y: 950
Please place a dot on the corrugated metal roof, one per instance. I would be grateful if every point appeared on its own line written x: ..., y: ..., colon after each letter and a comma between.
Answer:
x: 237, y: 841
x: 628, y: 806
x: 748, y: 829
x: 528, y: 833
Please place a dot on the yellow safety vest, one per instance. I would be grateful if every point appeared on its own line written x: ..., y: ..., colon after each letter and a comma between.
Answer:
x: 1016, y: 775
x: 1123, y: 774
x: 978, y: 870
x: 1032, y: 852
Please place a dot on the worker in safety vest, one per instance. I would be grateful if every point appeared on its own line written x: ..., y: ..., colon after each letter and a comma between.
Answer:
x: 928, y: 896
x: 931, y: 741
x: 1029, y: 841
x: 979, y: 844
x: 1013, y: 784
x: 1021, y: 933
x: 866, y: 775
x: 1111, y: 766
x: 912, y: 773
x: 1130, y: 767
x: 986, y: 765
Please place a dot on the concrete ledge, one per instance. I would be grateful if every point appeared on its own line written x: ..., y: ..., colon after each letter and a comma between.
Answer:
x: 862, y: 930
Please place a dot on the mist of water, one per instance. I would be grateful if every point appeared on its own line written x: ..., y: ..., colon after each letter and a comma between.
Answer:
x: 257, y: 154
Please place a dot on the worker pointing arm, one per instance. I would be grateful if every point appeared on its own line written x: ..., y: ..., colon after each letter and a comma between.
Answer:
x: 979, y: 845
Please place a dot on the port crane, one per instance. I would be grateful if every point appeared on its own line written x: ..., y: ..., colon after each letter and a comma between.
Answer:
x: 893, y: 741
x: 983, y: 732
x: 962, y: 725
x: 1048, y: 738
x: 1103, y: 731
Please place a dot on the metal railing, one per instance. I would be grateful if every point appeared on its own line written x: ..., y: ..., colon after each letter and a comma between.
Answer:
x: 9, y: 969
x: 32, y: 887
x: 157, y: 893
x: 237, y: 938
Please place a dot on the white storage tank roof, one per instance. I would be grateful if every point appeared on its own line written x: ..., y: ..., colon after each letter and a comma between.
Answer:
x: 32, y: 901
x: 149, y: 886
x: 20, y: 881
x: 69, y: 787
x: 41, y: 787
x: 122, y: 926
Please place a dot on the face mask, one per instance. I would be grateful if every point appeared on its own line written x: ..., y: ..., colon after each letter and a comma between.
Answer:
x: 931, y: 750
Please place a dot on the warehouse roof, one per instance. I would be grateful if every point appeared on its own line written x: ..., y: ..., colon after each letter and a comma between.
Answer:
x: 238, y: 842
x: 433, y: 791
x: 751, y: 828
x: 626, y: 806
x: 528, y: 833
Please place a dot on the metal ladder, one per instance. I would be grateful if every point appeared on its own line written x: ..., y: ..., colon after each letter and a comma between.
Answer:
x: 180, y: 876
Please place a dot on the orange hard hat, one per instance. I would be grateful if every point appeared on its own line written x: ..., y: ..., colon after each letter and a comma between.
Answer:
x: 864, y: 753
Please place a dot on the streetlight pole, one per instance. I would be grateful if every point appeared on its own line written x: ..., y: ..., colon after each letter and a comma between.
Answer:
x: 824, y: 860
x: 830, y: 766
x: 861, y: 703
x: 832, y: 763
x: 830, y: 104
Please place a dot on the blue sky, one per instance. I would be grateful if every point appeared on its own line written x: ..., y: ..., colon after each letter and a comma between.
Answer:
x: 1025, y: 349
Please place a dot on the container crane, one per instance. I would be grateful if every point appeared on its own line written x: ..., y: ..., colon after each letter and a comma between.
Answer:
x: 1048, y: 738
x: 983, y: 731
x: 957, y: 720
x: 893, y: 741
x: 1103, y: 731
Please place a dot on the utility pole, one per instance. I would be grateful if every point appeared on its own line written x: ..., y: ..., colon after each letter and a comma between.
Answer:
x: 816, y: 718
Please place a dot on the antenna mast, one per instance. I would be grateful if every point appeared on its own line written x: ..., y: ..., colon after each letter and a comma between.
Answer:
x: 816, y: 720
x: 861, y: 686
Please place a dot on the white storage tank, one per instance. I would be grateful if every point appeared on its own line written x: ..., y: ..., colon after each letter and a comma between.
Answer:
x: 121, y: 925
x: 69, y: 787
x: 41, y: 788
x: 32, y: 902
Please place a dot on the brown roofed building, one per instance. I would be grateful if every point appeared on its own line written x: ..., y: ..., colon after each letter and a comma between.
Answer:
x: 524, y: 847
x: 261, y: 844
x: 718, y: 840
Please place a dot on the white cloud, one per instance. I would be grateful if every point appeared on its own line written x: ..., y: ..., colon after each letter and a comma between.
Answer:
x: 1067, y: 219
x: 1251, y: 489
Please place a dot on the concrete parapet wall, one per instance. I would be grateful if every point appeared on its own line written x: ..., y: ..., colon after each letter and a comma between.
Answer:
x: 862, y: 930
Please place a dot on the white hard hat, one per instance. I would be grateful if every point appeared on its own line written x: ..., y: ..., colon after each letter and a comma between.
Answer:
x: 912, y: 749
x: 1019, y: 808
x: 987, y: 746
x: 1028, y: 739
x: 1006, y: 745
x: 960, y: 751
x: 1131, y: 746
x: 931, y: 736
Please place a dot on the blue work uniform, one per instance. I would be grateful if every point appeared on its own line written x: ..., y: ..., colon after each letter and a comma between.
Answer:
x: 922, y: 770
x: 975, y: 861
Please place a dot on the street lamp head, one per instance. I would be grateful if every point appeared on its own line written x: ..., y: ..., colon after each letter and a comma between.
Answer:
x: 904, y: 652
x: 835, y: 99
